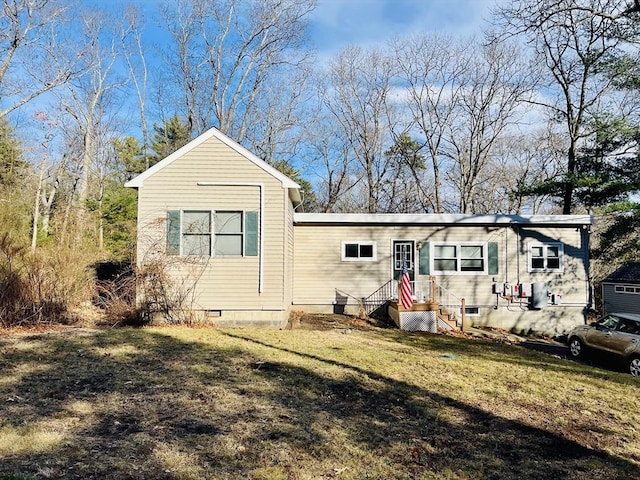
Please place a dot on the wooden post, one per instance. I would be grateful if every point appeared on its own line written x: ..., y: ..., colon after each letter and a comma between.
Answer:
x: 462, y: 313
x: 434, y: 291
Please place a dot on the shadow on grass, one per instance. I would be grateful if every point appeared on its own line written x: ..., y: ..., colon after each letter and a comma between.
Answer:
x: 140, y: 404
x: 530, y: 355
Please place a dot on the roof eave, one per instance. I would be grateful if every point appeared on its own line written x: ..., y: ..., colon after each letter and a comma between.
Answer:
x: 443, y: 219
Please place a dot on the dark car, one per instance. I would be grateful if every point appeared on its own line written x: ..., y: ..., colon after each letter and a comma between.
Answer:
x: 616, y: 333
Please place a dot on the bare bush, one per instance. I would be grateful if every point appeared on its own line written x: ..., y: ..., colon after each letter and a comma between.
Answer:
x: 39, y: 287
x: 166, y: 295
x: 116, y: 296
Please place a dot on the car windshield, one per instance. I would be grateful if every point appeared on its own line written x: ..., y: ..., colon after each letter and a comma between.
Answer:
x: 608, y: 322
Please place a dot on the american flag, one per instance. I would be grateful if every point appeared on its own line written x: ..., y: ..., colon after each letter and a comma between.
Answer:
x: 406, y: 297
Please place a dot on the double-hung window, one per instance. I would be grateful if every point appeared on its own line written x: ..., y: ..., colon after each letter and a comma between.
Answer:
x: 207, y: 233
x: 229, y: 233
x: 195, y: 227
x: 546, y: 257
x: 459, y: 258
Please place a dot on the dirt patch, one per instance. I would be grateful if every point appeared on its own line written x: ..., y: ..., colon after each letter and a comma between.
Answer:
x: 309, y: 321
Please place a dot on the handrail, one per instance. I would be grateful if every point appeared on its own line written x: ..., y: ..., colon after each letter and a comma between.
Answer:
x: 378, y: 298
x: 450, y: 301
x: 427, y: 290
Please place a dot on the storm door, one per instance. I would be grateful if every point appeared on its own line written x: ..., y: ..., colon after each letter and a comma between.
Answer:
x: 403, y: 252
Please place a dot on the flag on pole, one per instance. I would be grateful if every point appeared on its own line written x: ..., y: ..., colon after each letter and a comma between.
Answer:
x: 406, y: 297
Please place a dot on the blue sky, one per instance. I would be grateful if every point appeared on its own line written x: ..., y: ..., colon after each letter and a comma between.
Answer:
x: 337, y: 23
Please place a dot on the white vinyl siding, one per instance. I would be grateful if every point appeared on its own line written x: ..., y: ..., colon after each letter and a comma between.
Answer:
x: 319, y: 271
x: 222, y: 282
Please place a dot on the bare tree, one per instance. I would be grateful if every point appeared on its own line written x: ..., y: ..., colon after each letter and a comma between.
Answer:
x: 234, y: 63
x: 432, y: 67
x: 330, y: 162
x: 519, y: 160
x: 184, y: 62
x: 88, y: 104
x: 572, y: 39
x: 495, y: 86
x: 135, y: 57
x: 90, y: 98
x: 276, y: 130
x: 29, y: 63
x: 358, y: 96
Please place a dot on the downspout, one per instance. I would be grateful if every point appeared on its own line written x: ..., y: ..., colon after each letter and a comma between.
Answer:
x: 506, y: 255
x: 586, y: 233
x: 518, y: 253
x: 261, y: 247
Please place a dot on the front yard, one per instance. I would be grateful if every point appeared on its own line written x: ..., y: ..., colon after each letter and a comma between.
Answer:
x: 308, y: 403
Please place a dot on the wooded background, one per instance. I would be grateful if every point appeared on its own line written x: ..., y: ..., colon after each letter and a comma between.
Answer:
x: 538, y: 115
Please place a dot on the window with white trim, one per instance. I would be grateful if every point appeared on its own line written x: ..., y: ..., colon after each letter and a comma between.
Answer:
x: 206, y: 233
x: 459, y: 258
x: 547, y: 257
x: 195, y: 227
x: 359, y: 251
x: 229, y: 234
x: 627, y: 289
x: 472, y: 311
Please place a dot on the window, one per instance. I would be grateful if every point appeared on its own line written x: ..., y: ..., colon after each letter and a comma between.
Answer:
x: 628, y: 326
x: 607, y: 323
x: 546, y: 257
x: 206, y: 233
x: 196, y: 233
x: 627, y: 289
x: 363, y: 251
x: 228, y: 226
x: 454, y: 258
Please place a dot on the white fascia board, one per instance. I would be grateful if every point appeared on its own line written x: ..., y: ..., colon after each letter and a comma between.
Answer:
x: 286, y: 182
x: 440, y: 219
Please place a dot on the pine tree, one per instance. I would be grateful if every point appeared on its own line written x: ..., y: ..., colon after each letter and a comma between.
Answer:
x: 168, y: 137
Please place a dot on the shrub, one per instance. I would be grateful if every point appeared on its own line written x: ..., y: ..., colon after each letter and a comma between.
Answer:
x: 39, y: 287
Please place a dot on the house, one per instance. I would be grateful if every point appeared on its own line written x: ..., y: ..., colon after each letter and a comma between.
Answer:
x: 223, y: 225
x: 621, y: 290
x: 219, y: 221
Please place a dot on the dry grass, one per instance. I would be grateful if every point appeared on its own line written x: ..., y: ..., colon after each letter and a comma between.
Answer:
x: 323, y: 401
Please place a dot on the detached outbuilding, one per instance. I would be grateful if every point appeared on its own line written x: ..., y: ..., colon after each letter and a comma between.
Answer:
x: 221, y: 227
x: 621, y: 290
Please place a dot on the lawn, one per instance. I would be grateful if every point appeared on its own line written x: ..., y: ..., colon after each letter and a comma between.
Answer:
x: 309, y: 403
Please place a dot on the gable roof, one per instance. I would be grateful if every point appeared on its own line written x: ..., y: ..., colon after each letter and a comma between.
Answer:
x: 294, y: 188
x: 629, y: 273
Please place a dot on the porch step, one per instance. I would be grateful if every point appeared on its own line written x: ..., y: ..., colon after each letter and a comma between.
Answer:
x: 448, y: 319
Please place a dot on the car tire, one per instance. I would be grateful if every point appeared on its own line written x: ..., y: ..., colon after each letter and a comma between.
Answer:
x: 634, y: 366
x: 576, y: 347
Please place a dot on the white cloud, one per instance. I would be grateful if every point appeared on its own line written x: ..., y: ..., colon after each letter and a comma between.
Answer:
x: 337, y: 23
